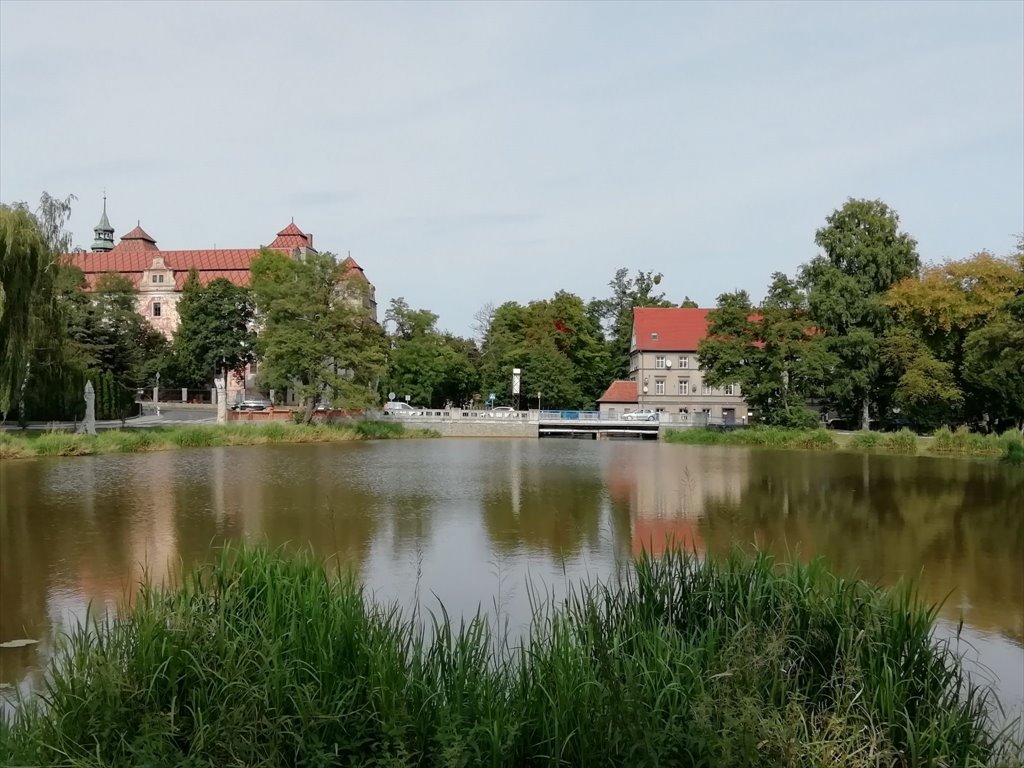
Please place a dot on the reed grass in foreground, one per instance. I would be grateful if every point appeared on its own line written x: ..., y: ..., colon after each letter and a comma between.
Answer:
x: 18, y: 446
x: 765, y: 437
x: 264, y: 659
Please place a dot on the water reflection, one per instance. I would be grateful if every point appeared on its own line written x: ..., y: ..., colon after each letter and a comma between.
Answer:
x: 480, y: 523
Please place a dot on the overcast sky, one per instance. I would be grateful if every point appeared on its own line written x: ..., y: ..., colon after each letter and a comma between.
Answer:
x: 467, y: 153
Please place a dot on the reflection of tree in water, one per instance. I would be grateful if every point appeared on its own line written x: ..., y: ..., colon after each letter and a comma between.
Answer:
x: 952, y: 525
x: 557, y: 511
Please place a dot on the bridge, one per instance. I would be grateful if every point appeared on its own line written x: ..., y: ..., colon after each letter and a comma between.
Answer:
x: 589, y: 425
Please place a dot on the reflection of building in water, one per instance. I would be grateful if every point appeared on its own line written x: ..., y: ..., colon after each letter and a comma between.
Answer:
x: 668, y: 489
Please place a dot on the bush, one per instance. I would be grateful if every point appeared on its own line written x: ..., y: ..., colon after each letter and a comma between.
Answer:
x: 263, y: 659
x: 866, y: 441
x: 903, y: 441
x: 1013, y: 450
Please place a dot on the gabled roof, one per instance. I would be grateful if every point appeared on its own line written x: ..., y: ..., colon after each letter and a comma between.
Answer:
x: 292, y: 237
x: 136, y: 240
x: 668, y: 329
x: 619, y: 392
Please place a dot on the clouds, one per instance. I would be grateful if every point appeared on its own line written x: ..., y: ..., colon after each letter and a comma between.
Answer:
x: 467, y: 153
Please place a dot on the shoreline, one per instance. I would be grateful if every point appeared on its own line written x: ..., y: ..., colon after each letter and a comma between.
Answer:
x: 154, y: 439
x: 943, y: 443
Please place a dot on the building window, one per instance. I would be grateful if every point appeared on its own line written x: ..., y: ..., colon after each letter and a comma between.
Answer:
x: 654, y: 335
x: 659, y: 387
x: 684, y: 386
x: 659, y: 361
x: 160, y: 278
x: 153, y: 279
x: 156, y: 309
x: 730, y: 389
x: 684, y: 361
x: 705, y: 389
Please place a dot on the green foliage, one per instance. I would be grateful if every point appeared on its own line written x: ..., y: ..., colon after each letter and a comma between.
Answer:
x: 1013, y: 453
x: 994, y: 360
x: 903, y: 441
x: 926, y: 391
x: 772, y: 352
x: 267, y: 659
x: 316, y: 335
x: 761, y: 436
x: 967, y: 443
x: 27, y: 445
x: 866, y: 441
x: 865, y: 254
x: 557, y: 344
x: 215, y: 331
x: 616, y: 312
x: 431, y: 367
x: 29, y: 319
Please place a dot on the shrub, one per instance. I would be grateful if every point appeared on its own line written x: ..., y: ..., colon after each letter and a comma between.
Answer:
x: 866, y: 441
x: 903, y: 441
x: 1013, y: 450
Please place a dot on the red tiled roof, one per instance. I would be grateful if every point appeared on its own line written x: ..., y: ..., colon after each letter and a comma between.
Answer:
x: 674, y: 329
x: 292, y: 237
x: 136, y: 240
x: 619, y: 392
x: 137, y: 261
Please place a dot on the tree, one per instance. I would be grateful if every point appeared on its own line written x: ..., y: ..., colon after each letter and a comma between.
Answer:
x: 689, y: 303
x: 772, y: 352
x: 313, y: 336
x: 865, y: 254
x: 994, y: 361
x: 942, y: 308
x: 926, y: 389
x: 215, y: 331
x: 616, y: 312
x: 30, y: 323
x: 431, y: 367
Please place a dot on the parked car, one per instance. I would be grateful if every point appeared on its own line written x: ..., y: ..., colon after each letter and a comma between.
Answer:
x: 644, y: 414
x: 398, y: 408
x: 252, y: 404
x: 502, y: 411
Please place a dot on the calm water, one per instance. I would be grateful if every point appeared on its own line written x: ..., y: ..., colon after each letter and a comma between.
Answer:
x: 480, y: 523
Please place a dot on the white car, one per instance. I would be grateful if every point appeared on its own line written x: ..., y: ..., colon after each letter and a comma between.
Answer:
x: 502, y: 411
x: 644, y: 414
x: 398, y: 408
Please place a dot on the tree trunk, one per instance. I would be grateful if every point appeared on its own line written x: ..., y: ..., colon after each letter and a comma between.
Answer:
x: 865, y: 417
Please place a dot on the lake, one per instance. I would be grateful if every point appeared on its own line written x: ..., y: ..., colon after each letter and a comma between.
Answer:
x: 486, y: 524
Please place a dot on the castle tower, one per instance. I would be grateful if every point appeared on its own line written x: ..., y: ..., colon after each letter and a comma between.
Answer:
x: 104, y: 232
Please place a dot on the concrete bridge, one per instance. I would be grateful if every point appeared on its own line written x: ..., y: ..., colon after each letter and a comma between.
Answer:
x: 589, y: 425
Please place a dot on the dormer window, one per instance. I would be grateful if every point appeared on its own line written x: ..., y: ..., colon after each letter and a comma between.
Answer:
x: 654, y: 335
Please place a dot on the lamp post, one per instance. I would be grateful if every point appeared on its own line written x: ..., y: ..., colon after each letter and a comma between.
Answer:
x: 156, y: 393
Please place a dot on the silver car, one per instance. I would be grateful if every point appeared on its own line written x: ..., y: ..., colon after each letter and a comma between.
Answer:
x: 644, y: 414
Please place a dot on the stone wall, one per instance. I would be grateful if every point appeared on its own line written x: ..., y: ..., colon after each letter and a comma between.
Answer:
x: 474, y: 428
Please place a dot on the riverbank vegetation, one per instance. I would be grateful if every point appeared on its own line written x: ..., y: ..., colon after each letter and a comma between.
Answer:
x: 27, y: 445
x: 269, y: 659
x: 864, y: 329
x: 942, y: 442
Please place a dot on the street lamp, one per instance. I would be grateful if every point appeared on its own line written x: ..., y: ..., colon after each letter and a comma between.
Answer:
x: 156, y: 393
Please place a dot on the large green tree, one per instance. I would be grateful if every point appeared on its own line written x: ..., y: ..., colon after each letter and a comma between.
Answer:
x: 315, y: 334
x: 215, y: 331
x: 431, y: 367
x: 864, y: 255
x: 771, y: 351
x: 616, y: 312
x: 31, y: 338
x: 994, y: 361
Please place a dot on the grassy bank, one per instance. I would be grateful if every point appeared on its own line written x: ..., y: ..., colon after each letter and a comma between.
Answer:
x: 264, y: 659
x: 943, y: 442
x: 26, y: 445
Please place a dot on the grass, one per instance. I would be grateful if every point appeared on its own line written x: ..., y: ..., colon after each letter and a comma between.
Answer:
x: 266, y: 659
x: 944, y: 442
x: 765, y: 437
x: 20, y: 446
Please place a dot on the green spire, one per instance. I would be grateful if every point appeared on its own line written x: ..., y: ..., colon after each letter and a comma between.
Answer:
x: 104, y: 232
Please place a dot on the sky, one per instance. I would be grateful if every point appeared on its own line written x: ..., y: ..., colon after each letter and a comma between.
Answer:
x: 474, y: 153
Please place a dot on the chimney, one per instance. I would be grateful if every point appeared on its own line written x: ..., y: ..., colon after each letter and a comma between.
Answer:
x: 309, y: 237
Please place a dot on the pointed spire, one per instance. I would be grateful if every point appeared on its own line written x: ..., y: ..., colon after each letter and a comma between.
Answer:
x: 104, y: 232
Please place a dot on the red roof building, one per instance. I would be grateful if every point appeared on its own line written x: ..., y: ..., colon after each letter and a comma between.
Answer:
x: 666, y: 369
x: 160, y: 275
